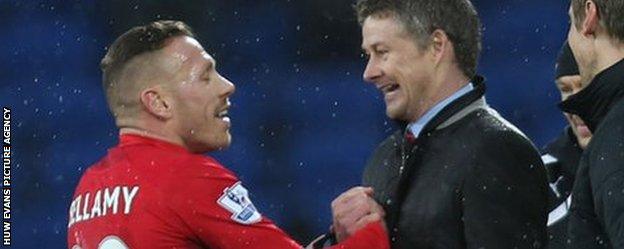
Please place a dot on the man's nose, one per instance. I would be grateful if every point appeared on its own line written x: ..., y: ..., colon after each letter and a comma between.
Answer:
x: 228, y: 86
x: 372, y: 71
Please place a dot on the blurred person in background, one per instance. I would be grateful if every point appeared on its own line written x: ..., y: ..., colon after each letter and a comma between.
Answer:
x: 456, y: 175
x: 155, y: 189
x: 561, y: 156
x: 596, y: 37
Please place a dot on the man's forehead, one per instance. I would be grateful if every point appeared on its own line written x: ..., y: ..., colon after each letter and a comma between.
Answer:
x: 378, y: 29
x: 193, y: 42
x: 370, y: 33
x: 185, y: 49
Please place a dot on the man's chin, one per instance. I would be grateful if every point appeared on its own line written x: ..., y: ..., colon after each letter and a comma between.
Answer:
x: 226, y: 141
x: 222, y: 145
x: 394, y: 114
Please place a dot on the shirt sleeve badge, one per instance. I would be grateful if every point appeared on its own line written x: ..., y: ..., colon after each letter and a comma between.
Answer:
x: 236, y: 200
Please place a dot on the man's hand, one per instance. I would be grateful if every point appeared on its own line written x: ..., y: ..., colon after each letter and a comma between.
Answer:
x: 353, y: 210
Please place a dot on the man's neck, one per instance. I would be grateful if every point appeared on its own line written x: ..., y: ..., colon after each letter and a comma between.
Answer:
x: 147, y: 133
x: 608, y: 52
x: 450, y: 84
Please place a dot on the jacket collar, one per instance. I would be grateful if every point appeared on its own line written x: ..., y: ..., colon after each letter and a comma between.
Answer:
x: 452, y: 109
x: 594, y: 102
x: 417, y: 126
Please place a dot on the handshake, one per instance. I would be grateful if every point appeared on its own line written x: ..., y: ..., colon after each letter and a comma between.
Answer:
x: 352, y: 211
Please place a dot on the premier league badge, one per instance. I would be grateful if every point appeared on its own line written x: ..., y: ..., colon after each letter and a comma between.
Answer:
x: 236, y: 200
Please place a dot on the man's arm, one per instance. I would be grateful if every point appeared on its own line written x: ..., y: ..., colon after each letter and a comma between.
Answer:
x: 218, y: 211
x: 505, y: 195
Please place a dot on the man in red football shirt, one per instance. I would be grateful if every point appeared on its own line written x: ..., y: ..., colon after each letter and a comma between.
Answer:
x: 155, y: 189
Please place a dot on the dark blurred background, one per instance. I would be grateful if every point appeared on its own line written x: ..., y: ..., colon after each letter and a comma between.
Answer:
x: 304, y: 122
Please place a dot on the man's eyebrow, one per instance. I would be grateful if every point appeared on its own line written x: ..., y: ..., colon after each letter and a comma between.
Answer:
x: 373, y: 46
x: 205, y: 70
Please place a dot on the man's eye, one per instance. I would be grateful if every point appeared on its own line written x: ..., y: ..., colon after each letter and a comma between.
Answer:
x: 381, y: 50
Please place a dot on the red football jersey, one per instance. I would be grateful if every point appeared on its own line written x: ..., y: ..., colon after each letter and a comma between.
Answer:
x: 147, y: 193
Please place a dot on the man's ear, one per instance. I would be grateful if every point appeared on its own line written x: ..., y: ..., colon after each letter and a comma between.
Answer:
x: 592, y: 19
x: 155, y: 102
x: 439, y: 45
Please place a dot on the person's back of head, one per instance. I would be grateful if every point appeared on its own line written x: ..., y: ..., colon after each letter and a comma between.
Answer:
x: 132, y: 64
